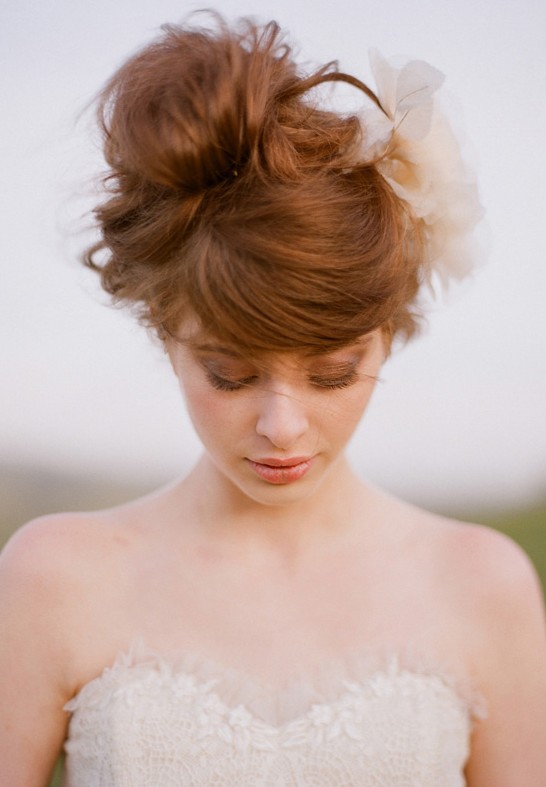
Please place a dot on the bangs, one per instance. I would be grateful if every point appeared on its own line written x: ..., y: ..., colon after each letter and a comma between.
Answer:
x: 247, y: 303
x: 292, y: 272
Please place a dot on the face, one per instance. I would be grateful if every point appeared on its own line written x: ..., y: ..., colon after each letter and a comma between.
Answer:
x: 274, y: 429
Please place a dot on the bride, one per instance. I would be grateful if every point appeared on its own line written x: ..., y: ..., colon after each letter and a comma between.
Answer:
x: 270, y: 619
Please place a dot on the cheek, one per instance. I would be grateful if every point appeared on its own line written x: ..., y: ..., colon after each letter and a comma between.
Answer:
x: 337, y: 420
x: 203, y: 407
x: 216, y: 418
x: 352, y: 413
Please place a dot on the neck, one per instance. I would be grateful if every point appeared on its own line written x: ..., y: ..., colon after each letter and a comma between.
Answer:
x: 224, y: 514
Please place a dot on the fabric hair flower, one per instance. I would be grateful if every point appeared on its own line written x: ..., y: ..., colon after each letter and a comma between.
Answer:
x: 419, y: 156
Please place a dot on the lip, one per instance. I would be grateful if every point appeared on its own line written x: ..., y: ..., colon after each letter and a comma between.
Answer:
x: 281, y: 471
x: 273, y: 462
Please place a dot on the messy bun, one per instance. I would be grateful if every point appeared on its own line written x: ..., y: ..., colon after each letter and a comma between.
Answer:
x: 234, y: 197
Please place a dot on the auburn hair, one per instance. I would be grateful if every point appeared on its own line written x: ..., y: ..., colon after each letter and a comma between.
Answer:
x: 234, y: 197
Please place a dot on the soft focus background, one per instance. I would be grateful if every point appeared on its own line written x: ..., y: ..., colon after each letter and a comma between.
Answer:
x: 89, y: 414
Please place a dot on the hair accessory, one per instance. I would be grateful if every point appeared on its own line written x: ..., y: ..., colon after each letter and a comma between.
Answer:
x: 418, y: 154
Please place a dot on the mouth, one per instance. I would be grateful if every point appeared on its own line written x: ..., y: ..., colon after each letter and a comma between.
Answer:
x: 281, y: 471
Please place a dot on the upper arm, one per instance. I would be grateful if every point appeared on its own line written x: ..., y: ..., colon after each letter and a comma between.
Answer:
x: 509, y: 641
x: 34, y: 588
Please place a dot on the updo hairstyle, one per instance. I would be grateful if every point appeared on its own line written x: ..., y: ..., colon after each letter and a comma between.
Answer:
x: 233, y: 197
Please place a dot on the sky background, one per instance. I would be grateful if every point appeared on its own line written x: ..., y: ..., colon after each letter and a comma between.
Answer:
x: 459, y: 419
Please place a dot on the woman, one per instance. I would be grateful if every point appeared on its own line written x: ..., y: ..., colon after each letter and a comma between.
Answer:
x: 270, y: 619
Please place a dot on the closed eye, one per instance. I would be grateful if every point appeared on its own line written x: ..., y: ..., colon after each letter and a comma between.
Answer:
x: 334, y: 382
x: 225, y: 384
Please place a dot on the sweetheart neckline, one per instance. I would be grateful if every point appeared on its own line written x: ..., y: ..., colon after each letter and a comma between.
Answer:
x: 328, y: 684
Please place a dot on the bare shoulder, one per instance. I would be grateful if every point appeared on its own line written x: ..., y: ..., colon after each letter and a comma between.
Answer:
x: 492, y: 613
x: 46, y: 558
x: 498, y: 599
x: 492, y: 585
x: 72, y: 539
x: 482, y: 577
x: 51, y: 572
x: 490, y: 567
x: 473, y: 554
x: 55, y: 573
x: 38, y: 550
x: 80, y: 569
x: 55, y: 548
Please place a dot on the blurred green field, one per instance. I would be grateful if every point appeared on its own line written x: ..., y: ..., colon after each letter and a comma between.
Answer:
x: 56, y: 781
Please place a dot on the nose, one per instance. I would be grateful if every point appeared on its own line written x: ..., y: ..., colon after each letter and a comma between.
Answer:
x: 282, y: 419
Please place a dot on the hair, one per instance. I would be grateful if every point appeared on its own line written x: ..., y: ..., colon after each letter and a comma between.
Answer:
x: 233, y: 197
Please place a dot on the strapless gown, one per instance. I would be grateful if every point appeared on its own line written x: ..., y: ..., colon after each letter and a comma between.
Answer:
x: 367, y: 722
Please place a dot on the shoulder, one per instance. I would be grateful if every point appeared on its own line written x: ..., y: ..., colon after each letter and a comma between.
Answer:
x: 39, y: 548
x: 94, y: 555
x: 51, y: 572
x: 464, y: 558
x: 61, y: 577
x: 47, y: 561
x: 457, y: 555
x: 499, y: 603
x: 493, y: 587
x: 51, y: 564
x: 57, y: 546
x: 483, y: 577
x: 490, y: 566
x: 479, y: 567
x: 38, y: 600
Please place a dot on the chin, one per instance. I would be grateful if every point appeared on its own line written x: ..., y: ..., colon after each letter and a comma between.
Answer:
x: 281, y: 495
x: 279, y: 500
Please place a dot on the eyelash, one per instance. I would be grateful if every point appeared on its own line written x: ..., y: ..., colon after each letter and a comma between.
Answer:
x: 336, y: 382
x: 222, y: 384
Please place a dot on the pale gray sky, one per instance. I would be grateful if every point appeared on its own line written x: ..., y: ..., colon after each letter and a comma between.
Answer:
x: 460, y: 415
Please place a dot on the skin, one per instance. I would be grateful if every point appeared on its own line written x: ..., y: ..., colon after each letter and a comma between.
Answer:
x: 269, y: 577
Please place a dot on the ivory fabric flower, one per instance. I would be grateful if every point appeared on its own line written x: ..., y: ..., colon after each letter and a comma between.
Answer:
x: 419, y: 156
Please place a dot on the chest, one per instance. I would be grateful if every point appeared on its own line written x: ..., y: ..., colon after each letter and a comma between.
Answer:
x: 264, y: 616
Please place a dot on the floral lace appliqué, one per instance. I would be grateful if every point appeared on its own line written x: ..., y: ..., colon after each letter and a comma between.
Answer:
x: 147, y: 723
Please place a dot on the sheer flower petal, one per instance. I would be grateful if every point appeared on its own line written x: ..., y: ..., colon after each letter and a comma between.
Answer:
x: 420, y: 157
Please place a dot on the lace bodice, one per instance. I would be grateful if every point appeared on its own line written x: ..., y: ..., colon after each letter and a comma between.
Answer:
x: 147, y: 722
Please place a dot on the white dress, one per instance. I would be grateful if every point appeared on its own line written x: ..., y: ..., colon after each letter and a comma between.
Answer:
x: 150, y: 722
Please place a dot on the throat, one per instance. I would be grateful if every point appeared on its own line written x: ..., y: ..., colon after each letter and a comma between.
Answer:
x: 286, y: 522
